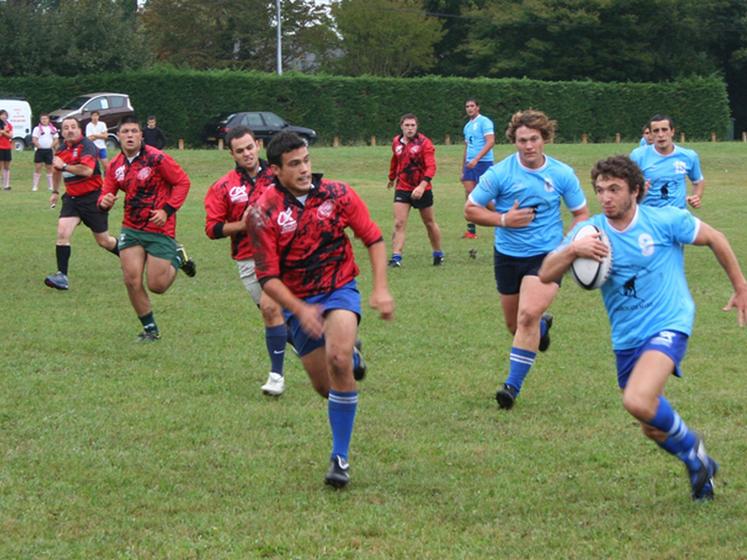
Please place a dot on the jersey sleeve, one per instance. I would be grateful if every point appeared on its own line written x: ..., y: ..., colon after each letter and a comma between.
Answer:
x: 110, y: 185
x: 36, y: 132
x: 216, y: 211
x: 429, y: 157
x: 265, y: 239
x: 684, y: 226
x: 393, y: 165
x: 359, y: 219
x: 695, y: 174
x: 573, y: 194
x: 487, y: 189
x: 177, y: 178
x: 487, y: 127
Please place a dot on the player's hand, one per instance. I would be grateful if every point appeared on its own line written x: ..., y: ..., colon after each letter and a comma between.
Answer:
x: 58, y: 163
x: 693, y: 200
x: 519, y: 217
x: 158, y: 217
x: 418, y: 193
x: 591, y: 247
x: 471, y: 164
x: 53, y: 199
x: 311, y: 319
x: 738, y: 301
x: 383, y: 302
x: 107, y: 201
x: 390, y: 184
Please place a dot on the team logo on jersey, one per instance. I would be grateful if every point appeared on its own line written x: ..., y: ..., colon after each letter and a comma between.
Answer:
x: 144, y: 173
x: 119, y: 173
x: 646, y: 243
x: 398, y: 149
x: 680, y: 167
x: 286, y: 221
x: 415, y: 149
x: 664, y: 338
x: 549, y: 187
x: 325, y: 210
x: 238, y: 194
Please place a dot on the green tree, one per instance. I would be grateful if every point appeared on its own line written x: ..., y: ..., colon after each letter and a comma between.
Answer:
x: 385, y: 37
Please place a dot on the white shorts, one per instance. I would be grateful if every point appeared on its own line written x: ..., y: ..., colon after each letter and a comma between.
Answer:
x: 249, y: 278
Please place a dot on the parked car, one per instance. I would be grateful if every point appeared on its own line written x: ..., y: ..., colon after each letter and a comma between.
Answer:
x: 263, y: 123
x: 19, y: 115
x: 111, y: 107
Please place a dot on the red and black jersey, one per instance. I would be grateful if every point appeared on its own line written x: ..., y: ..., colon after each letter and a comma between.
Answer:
x: 412, y: 162
x: 83, y: 152
x: 5, y: 141
x: 304, y: 244
x: 228, y: 199
x: 151, y: 181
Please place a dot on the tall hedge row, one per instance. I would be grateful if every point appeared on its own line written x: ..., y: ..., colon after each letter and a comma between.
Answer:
x: 355, y: 109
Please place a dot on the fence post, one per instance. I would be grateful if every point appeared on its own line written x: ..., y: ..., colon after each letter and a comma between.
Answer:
x: 744, y: 137
x: 220, y: 143
x: 373, y: 139
x: 682, y: 137
x: 181, y: 143
x: 584, y: 138
x: 447, y: 139
x: 336, y: 142
x: 713, y: 136
x: 617, y: 138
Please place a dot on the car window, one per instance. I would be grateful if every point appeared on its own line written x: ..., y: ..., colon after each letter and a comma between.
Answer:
x: 116, y: 101
x: 253, y: 120
x: 96, y: 104
x: 273, y: 120
x: 76, y: 103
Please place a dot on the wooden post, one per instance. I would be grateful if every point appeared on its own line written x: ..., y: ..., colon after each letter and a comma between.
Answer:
x: 617, y: 138
x: 181, y: 143
x: 713, y: 136
x: 584, y: 138
x: 336, y: 142
x: 682, y: 137
x: 744, y: 137
x: 220, y: 143
x: 373, y: 139
x: 447, y: 139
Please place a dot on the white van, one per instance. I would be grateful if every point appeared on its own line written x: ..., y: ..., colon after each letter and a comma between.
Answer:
x: 19, y: 115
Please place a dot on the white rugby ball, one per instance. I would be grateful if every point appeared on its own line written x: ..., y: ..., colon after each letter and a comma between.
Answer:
x: 589, y: 273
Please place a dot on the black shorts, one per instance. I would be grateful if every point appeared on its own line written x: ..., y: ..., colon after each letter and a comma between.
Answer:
x: 5, y: 155
x: 405, y: 197
x: 85, y: 208
x: 44, y: 155
x: 510, y: 271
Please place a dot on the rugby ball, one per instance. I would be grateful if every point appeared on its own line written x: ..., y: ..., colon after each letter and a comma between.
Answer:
x: 589, y: 273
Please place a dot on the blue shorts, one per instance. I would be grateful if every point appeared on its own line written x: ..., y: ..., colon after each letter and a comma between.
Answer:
x: 345, y: 297
x: 475, y: 173
x: 102, y: 153
x: 671, y: 343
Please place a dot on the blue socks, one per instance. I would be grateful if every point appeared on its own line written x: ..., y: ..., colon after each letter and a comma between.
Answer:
x: 341, y: 410
x: 275, y: 338
x: 520, y: 362
x: 680, y: 439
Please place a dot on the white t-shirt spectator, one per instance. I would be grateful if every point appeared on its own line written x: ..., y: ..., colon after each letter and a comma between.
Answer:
x: 45, y: 135
x: 98, y: 128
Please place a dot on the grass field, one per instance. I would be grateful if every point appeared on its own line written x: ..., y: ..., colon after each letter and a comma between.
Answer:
x: 116, y: 450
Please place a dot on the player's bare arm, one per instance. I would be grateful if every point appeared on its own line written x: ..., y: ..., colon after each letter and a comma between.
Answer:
x: 695, y: 199
x: 557, y: 263
x: 380, y: 298
x: 516, y: 217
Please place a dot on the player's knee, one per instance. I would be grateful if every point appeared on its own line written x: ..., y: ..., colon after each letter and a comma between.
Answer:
x: 528, y: 318
x: 271, y: 314
x: 399, y: 225
x: 340, y: 362
x: 638, y: 405
x: 132, y: 281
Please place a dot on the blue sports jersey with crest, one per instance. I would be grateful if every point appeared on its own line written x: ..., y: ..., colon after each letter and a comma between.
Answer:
x: 643, y: 141
x: 542, y: 189
x: 646, y: 291
x: 667, y: 174
x: 474, y: 135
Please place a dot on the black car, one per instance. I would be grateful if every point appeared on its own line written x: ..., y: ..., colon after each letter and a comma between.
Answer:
x: 263, y: 123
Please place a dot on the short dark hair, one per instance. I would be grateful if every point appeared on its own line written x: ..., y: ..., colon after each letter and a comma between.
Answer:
x: 473, y: 101
x: 620, y: 167
x: 661, y: 117
x: 95, y: 113
x: 534, y: 119
x: 238, y: 132
x: 282, y: 143
x: 151, y: 118
x: 3, y: 112
x: 43, y: 115
x: 70, y: 118
x: 406, y: 116
x: 131, y: 119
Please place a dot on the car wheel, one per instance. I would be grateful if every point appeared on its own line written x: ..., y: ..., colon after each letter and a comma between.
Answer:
x: 112, y: 144
x: 19, y: 144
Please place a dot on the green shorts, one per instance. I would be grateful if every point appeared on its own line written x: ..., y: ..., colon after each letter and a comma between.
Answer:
x: 156, y: 244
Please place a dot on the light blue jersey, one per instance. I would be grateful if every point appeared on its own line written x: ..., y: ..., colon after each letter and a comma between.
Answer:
x: 643, y: 141
x: 474, y: 135
x: 647, y: 292
x: 541, y: 189
x: 667, y: 174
